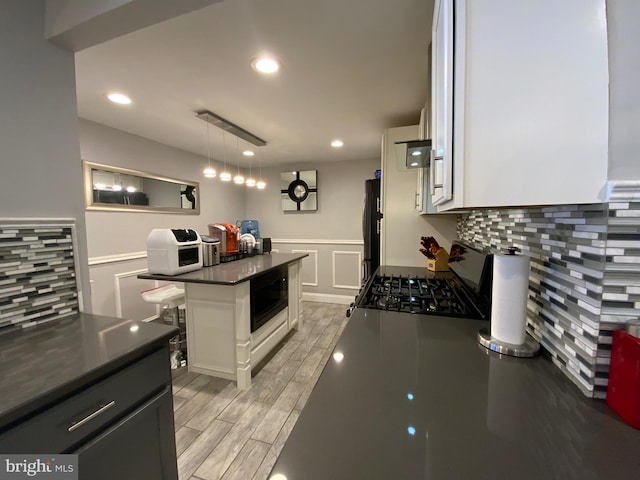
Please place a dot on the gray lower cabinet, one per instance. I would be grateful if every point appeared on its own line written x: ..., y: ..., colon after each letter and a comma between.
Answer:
x: 121, y: 427
x: 142, y: 445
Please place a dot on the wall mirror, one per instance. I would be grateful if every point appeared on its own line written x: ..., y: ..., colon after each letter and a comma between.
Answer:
x: 120, y: 189
x: 299, y: 191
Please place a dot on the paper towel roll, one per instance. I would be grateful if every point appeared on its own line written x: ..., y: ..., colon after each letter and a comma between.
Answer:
x: 509, y: 298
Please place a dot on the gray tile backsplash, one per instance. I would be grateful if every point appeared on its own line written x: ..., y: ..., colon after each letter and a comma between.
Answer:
x: 584, y: 281
x: 37, y: 274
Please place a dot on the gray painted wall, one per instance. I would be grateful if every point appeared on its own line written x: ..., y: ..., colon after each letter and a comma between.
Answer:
x: 340, y: 202
x: 332, y: 235
x: 41, y: 174
x: 111, y: 233
x: 624, y: 72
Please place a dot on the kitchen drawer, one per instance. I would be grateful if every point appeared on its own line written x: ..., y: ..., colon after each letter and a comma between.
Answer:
x: 71, y: 421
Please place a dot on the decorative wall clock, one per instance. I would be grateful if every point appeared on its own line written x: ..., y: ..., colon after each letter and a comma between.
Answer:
x: 299, y: 191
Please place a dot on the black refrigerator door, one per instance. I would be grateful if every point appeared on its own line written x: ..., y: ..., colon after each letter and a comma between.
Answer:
x: 371, y: 228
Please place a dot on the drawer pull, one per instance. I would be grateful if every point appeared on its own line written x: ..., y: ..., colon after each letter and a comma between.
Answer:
x: 102, y: 409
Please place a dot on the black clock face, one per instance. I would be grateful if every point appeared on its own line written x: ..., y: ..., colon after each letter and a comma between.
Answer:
x: 299, y: 191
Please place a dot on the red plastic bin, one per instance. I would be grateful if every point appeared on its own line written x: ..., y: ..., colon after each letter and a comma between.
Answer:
x: 623, y: 391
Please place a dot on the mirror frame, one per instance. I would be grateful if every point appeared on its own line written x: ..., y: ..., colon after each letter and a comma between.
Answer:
x: 88, y: 167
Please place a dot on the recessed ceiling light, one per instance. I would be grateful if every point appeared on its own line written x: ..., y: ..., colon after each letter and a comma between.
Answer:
x: 248, y: 153
x: 265, y: 65
x: 337, y: 143
x: 119, y: 98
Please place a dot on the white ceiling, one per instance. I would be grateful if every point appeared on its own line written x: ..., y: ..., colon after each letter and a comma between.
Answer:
x: 350, y: 68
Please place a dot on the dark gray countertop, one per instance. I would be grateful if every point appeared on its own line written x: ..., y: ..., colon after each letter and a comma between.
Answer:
x: 46, y: 362
x: 415, y: 397
x: 231, y: 273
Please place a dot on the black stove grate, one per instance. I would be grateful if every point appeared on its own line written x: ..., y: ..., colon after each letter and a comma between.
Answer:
x: 414, y: 295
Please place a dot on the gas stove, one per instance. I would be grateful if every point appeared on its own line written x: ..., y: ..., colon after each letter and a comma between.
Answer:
x: 414, y: 294
x: 465, y: 291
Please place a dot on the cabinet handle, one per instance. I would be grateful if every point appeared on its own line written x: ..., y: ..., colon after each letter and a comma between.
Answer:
x: 432, y: 171
x: 102, y: 409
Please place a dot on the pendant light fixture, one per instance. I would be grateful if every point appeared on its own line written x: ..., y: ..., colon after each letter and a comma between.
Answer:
x: 260, y: 184
x: 238, y: 179
x: 225, y: 176
x: 250, y: 182
x: 209, y: 172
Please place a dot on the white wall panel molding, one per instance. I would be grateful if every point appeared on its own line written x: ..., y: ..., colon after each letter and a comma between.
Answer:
x: 119, y: 257
x: 117, y: 290
x: 356, y: 268
x: 327, y: 298
x: 37, y: 222
x: 311, y: 260
x: 317, y: 241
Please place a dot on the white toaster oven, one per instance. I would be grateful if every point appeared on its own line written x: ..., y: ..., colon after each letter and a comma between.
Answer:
x: 172, y: 251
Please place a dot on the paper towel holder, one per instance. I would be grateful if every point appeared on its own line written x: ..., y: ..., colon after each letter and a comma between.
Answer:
x: 529, y: 348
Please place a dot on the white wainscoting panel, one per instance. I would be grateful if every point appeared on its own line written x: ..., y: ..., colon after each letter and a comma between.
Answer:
x: 123, y: 257
x: 309, y: 267
x: 346, y: 269
x: 128, y: 301
x: 317, y: 241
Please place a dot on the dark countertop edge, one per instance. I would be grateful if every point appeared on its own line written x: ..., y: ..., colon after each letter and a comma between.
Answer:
x: 43, y: 401
x: 180, y: 277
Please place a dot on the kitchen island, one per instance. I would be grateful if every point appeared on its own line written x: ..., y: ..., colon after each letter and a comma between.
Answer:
x: 415, y: 397
x: 90, y: 385
x: 218, y: 314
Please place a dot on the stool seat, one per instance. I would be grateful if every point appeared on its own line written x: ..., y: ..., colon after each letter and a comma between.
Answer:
x: 169, y: 295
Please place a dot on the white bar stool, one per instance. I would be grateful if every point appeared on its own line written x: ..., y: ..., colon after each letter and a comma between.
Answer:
x: 171, y: 298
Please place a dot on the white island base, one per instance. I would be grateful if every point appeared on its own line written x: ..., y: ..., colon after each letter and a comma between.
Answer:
x: 219, y: 338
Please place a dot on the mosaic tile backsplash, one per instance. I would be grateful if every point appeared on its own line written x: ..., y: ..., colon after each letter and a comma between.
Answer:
x: 584, y: 281
x: 37, y: 274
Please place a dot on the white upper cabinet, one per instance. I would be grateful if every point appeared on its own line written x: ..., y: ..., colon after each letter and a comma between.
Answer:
x: 520, y: 102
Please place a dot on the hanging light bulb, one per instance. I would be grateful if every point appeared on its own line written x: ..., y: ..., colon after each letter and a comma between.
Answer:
x: 225, y: 176
x: 249, y: 182
x: 260, y: 184
x: 209, y: 172
x: 238, y: 179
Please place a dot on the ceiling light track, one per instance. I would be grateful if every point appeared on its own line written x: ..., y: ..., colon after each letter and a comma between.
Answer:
x: 227, y: 126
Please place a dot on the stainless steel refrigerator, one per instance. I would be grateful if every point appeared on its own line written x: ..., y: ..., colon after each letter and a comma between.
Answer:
x: 371, y: 228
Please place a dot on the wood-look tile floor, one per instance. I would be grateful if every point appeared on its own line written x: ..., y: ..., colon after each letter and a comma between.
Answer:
x: 226, y: 433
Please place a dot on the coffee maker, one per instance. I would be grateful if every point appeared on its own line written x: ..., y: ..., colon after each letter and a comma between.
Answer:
x: 228, y: 234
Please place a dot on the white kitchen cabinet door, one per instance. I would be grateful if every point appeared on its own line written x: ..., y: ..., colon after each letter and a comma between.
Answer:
x: 529, y: 106
x: 441, y: 169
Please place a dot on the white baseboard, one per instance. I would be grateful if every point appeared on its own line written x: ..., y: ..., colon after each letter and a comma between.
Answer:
x: 327, y: 298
